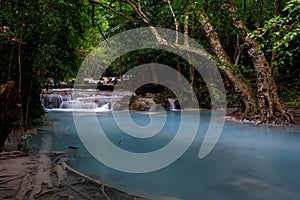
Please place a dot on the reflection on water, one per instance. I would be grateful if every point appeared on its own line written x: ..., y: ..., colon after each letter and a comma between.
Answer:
x: 248, y: 162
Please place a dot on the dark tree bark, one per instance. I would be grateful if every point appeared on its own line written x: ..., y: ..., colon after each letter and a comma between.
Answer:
x: 262, y: 9
x: 276, y: 28
x: 9, y: 110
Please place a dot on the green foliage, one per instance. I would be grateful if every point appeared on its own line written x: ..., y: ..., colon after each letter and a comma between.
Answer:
x: 246, y: 69
x: 288, y: 94
x: 26, y: 138
x: 281, y: 34
x: 295, y: 105
x: 233, y: 100
x: 42, y: 41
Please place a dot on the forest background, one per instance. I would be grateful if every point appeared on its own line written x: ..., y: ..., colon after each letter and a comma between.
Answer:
x: 255, y: 44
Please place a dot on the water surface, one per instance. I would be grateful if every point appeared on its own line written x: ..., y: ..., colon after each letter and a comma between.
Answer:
x: 248, y: 162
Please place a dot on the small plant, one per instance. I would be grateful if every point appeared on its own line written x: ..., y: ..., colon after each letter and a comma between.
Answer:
x: 287, y: 94
x: 233, y: 100
x: 295, y: 105
x: 25, y: 139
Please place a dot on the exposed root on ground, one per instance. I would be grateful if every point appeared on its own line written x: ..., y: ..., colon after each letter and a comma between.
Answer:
x: 278, y: 118
x: 48, y: 177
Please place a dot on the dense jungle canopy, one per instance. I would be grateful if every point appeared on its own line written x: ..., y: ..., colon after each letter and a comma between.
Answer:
x: 255, y: 44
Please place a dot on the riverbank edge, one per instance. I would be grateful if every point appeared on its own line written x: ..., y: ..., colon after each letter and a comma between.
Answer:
x: 45, y: 175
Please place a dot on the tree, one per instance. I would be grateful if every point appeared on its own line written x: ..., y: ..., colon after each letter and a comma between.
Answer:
x: 280, y: 35
x: 9, y: 109
x: 41, y: 40
x: 262, y: 103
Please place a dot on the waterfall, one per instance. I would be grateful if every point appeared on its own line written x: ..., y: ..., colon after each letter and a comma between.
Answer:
x: 102, y: 102
x: 52, y: 100
x: 89, y: 105
x: 78, y: 105
x: 172, y: 105
x: 81, y: 100
x: 77, y: 101
x: 105, y: 107
x: 67, y: 97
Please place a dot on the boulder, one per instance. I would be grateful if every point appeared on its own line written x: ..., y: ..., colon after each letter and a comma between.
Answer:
x: 135, y: 103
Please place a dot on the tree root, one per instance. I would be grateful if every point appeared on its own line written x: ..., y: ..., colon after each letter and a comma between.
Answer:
x: 95, y: 181
x: 103, y: 192
x: 87, y: 177
x: 278, y: 118
x: 11, y: 154
x: 6, y: 181
x: 81, y: 174
x: 60, y: 173
x: 79, y: 192
x: 24, y: 187
x: 46, y: 192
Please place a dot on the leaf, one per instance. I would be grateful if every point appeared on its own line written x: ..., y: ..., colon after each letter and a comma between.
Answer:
x: 286, y: 44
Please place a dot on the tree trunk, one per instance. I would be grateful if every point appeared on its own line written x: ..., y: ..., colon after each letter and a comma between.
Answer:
x: 270, y: 109
x: 262, y: 9
x: 5, y: 130
x: 9, y: 110
x: 121, y: 68
x: 186, y: 43
x: 230, y: 70
x: 276, y: 28
x: 178, y: 68
x: 175, y: 20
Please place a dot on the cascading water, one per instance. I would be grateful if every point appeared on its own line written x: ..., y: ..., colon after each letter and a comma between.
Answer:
x: 172, y: 105
x: 52, y: 100
x: 78, y: 100
x: 103, y: 102
x: 78, y: 105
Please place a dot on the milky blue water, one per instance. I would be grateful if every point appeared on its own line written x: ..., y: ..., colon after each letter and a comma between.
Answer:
x: 248, y: 162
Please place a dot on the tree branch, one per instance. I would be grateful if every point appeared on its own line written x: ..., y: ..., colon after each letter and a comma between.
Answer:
x: 154, y: 14
x: 115, y: 11
x: 138, y: 11
x: 175, y: 20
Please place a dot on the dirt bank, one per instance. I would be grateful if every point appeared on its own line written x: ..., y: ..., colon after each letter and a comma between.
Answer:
x: 45, y: 176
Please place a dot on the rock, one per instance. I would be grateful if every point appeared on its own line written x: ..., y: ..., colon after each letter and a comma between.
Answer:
x: 151, y: 95
x: 142, y: 104
x: 121, y: 104
x: 134, y: 103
